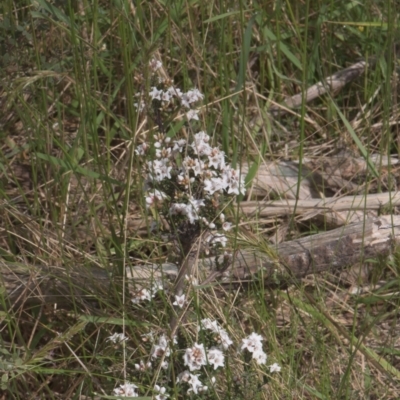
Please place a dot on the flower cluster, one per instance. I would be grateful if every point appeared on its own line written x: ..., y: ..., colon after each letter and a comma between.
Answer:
x: 253, y: 344
x: 195, y: 358
x: 187, y: 182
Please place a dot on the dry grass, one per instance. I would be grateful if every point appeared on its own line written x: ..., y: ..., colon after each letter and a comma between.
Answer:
x: 72, y: 214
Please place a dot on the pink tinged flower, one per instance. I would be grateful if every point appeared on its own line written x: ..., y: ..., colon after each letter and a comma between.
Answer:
x: 179, y: 301
x: 192, y: 114
x: 195, y: 357
x: 216, y: 158
x: 226, y: 226
x: 274, y: 368
x: 234, y: 181
x: 126, y: 390
x: 155, y: 93
x: 117, y: 338
x: 215, y: 357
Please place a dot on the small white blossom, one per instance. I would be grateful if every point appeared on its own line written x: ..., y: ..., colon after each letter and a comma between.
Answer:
x: 179, y: 301
x: 221, y: 336
x: 117, y: 338
x: 226, y: 226
x: 192, y: 114
x: 191, y: 279
x: 252, y: 342
x: 142, y: 366
x: 142, y: 149
x: 155, y: 64
x: 195, y: 384
x: 155, y: 94
x: 161, y: 393
x: 216, y: 158
x: 141, y: 295
x: 126, y: 390
x: 260, y: 357
x: 274, y: 368
x: 155, y: 197
x: 195, y: 357
x: 161, y: 349
x: 215, y: 357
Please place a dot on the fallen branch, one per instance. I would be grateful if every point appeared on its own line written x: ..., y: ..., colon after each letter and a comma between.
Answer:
x: 328, y: 251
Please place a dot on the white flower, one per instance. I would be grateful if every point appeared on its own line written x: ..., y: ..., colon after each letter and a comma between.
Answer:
x: 179, y: 145
x: 155, y: 197
x: 179, y: 301
x: 143, y: 366
x: 140, y: 106
x: 195, y: 357
x: 117, y: 338
x: 216, y: 158
x: 175, y: 92
x: 159, y: 169
x: 214, y: 185
x: 191, y: 279
x: 252, y: 343
x: 195, y: 384
x: 274, y: 368
x: 126, y: 390
x: 155, y: 64
x: 161, y: 390
x: 141, y: 295
x: 166, y: 97
x: 161, y: 348
x: 142, y: 149
x: 260, y: 357
x: 226, y: 226
x: 192, y: 114
x: 155, y: 93
x: 183, y: 377
x: 215, y: 357
x: 235, y: 183
x: 221, y: 336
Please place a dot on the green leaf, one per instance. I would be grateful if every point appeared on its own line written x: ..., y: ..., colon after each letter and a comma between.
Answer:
x: 285, y: 50
x: 244, y: 56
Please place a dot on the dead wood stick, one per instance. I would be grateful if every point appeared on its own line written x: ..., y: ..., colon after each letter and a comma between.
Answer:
x: 328, y: 251
x: 332, y: 83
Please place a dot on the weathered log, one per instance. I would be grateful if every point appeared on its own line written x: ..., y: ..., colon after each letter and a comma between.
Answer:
x: 328, y: 251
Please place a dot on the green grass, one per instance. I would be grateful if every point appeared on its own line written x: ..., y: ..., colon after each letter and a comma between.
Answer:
x: 72, y: 211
